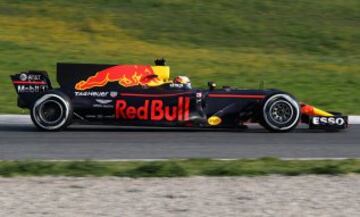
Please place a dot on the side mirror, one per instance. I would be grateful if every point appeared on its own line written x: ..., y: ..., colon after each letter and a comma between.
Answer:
x: 211, y: 85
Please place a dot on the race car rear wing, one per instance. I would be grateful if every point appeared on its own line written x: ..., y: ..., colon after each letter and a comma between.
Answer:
x: 29, y: 86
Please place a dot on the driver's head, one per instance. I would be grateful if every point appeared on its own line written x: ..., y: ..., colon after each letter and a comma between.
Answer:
x: 181, y: 80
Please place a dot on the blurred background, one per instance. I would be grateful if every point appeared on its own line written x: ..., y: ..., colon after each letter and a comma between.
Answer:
x: 309, y: 48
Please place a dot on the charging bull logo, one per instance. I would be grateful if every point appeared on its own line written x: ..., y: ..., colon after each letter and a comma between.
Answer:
x: 154, y: 110
x: 125, y: 75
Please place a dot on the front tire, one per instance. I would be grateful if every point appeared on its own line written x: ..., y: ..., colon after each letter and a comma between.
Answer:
x: 280, y: 113
x: 52, y: 112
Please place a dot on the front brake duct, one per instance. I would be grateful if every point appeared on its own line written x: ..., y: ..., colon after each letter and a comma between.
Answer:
x: 313, y: 111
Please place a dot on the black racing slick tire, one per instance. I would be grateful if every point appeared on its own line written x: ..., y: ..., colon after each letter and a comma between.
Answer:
x: 280, y: 113
x: 52, y: 112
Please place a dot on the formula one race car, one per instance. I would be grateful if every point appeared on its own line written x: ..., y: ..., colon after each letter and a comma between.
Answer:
x: 143, y: 95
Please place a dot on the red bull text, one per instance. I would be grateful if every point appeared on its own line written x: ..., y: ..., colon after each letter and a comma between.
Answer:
x: 154, y: 110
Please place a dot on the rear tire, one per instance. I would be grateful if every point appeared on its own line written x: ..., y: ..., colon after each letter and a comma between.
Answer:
x: 280, y: 113
x: 52, y: 112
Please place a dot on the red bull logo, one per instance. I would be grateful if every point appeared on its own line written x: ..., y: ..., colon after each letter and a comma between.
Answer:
x: 125, y: 75
x: 154, y: 110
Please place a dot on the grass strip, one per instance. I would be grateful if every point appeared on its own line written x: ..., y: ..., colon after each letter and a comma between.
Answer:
x: 179, y: 168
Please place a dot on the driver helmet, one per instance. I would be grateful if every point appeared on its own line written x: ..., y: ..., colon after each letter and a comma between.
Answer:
x: 183, y: 80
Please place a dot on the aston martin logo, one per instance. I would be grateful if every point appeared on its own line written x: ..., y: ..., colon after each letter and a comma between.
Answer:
x: 103, y: 101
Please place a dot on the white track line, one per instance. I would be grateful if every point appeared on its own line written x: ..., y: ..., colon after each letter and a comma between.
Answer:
x: 25, y: 119
x: 354, y: 119
x: 15, y: 119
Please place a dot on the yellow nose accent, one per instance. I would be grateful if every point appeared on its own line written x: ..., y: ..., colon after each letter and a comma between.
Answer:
x: 320, y: 112
x: 214, y: 120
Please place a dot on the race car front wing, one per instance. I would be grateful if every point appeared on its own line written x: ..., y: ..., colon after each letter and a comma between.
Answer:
x: 319, y: 119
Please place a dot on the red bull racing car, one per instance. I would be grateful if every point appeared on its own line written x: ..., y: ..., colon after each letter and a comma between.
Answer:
x: 144, y: 95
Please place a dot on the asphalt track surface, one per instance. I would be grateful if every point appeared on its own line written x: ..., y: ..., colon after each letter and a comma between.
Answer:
x: 19, y: 140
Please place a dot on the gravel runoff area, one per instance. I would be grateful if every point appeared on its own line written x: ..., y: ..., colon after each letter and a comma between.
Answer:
x: 194, y: 196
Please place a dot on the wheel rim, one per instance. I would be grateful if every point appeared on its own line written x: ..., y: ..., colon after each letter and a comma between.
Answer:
x: 281, y: 112
x: 51, y: 112
x: 64, y: 115
x: 286, y: 122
